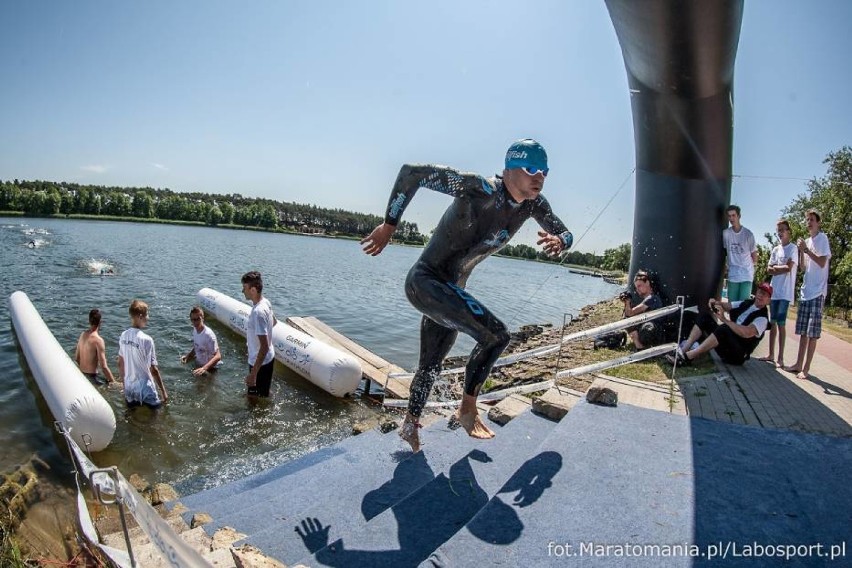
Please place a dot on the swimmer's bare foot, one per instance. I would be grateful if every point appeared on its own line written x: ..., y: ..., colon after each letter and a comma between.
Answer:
x: 792, y: 369
x: 779, y: 364
x: 410, y: 432
x: 474, y: 426
x: 803, y: 375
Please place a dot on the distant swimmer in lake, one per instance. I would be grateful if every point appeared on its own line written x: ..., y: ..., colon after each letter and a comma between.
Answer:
x: 484, y: 215
x: 31, y: 244
x: 107, y: 271
x: 91, y: 352
x: 137, y: 362
x: 205, y: 347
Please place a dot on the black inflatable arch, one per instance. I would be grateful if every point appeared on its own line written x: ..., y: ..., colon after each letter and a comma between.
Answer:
x: 680, y: 57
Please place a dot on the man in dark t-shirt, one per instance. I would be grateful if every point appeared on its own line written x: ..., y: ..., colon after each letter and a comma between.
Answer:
x: 648, y: 333
x: 484, y: 215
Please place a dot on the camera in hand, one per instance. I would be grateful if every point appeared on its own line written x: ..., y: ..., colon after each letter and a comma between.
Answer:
x: 624, y: 295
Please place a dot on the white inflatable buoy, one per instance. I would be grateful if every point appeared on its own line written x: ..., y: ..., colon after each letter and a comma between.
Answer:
x: 72, y: 399
x: 331, y: 369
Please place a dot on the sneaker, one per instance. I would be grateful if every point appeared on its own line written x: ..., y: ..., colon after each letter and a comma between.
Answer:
x: 679, y: 358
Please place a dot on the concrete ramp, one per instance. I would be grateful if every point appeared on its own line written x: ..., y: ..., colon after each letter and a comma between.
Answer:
x: 622, y: 486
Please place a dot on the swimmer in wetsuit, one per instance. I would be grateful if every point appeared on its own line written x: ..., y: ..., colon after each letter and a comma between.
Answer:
x: 484, y: 215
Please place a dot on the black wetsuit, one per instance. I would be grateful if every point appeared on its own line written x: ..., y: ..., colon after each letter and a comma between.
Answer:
x: 480, y: 221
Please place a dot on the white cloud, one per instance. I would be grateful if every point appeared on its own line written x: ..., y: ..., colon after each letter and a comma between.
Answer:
x: 95, y: 168
x: 159, y: 166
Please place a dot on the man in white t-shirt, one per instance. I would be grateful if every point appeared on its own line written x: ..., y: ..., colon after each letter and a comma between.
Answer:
x: 741, y: 254
x: 137, y: 362
x: 205, y: 347
x: 783, y: 265
x: 815, y: 256
x: 261, y: 320
x: 733, y: 339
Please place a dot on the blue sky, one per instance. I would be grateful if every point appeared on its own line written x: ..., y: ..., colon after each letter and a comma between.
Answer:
x: 321, y: 102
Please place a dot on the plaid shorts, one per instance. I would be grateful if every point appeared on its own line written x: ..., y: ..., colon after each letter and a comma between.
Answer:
x: 809, y: 317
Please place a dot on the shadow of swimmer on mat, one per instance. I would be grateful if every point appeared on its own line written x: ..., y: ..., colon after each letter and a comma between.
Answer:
x: 429, y: 512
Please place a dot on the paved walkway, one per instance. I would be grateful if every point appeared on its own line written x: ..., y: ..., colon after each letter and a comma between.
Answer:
x: 757, y: 393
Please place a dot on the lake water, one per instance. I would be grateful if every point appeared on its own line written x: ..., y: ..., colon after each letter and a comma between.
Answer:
x: 207, y: 433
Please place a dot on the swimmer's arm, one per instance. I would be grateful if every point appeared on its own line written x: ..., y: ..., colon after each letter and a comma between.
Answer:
x: 552, y: 224
x: 442, y: 179
x: 411, y: 178
x: 121, y: 368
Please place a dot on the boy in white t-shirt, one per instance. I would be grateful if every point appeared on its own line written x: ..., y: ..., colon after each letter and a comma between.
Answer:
x: 741, y: 254
x: 261, y: 320
x: 783, y: 265
x: 137, y: 362
x: 815, y: 256
x: 205, y: 347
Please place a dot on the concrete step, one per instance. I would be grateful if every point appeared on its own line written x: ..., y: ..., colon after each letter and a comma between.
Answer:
x: 345, y: 504
x: 403, y: 532
x: 281, y: 500
x: 603, y: 473
x: 227, y: 497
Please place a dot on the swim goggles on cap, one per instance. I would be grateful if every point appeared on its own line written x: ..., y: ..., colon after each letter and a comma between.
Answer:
x: 532, y: 171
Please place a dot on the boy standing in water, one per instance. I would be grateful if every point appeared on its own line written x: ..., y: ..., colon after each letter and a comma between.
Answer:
x: 261, y: 353
x: 205, y: 347
x: 137, y: 362
x: 91, y: 351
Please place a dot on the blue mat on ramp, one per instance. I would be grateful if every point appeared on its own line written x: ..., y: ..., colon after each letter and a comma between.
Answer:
x: 640, y: 487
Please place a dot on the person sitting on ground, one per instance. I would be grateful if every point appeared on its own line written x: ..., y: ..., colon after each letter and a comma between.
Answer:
x: 205, y: 347
x: 91, y: 352
x: 733, y: 339
x: 648, y: 333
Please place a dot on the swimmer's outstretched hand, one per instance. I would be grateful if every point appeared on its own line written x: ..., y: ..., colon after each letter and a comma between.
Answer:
x: 375, y: 242
x: 552, y: 244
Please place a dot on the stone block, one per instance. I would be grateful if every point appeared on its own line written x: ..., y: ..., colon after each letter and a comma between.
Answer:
x: 508, y: 408
x: 555, y: 403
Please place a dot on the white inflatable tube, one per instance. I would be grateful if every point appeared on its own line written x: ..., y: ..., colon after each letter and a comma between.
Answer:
x: 72, y: 399
x: 330, y: 369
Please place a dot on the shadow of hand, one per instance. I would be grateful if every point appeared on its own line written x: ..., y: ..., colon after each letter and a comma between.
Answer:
x: 313, y: 534
x: 530, y: 493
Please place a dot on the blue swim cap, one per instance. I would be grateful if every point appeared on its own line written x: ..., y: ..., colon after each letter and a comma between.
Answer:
x: 526, y: 153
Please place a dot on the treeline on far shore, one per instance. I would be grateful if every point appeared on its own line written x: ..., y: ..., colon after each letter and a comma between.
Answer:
x: 47, y: 198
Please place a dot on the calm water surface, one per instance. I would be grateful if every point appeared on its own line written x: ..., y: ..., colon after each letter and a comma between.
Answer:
x: 207, y: 433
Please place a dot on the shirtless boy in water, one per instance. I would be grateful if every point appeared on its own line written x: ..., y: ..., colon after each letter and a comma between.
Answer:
x: 91, y: 351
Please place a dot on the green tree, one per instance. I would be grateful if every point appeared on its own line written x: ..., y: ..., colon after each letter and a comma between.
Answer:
x: 143, y: 205
x: 227, y: 212
x: 214, y: 216
x: 617, y: 258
